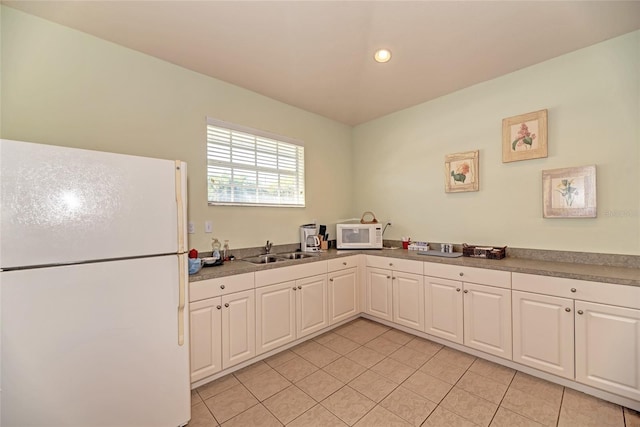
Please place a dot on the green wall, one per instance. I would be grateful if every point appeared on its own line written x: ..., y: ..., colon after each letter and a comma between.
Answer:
x: 61, y: 86
x: 64, y: 87
x: 592, y: 96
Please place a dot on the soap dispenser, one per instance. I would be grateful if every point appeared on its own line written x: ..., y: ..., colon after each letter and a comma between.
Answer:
x: 215, y: 245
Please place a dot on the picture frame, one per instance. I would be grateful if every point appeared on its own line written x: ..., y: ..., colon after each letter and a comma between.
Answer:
x: 569, y: 192
x: 524, y: 137
x: 462, y: 172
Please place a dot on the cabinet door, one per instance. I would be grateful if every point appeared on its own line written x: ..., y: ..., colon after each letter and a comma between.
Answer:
x: 379, y: 293
x: 408, y: 300
x: 206, y: 339
x: 487, y: 319
x: 311, y: 305
x: 238, y: 328
x: 443, y: 308
x: 275, y: 316
x: 543, y: 332
x: 343, y: 295
x: 608, y: 348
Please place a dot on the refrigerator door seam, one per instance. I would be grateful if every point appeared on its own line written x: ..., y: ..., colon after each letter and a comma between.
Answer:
x: 92, y: 261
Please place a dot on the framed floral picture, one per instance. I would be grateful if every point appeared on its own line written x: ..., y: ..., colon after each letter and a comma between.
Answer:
x: 524, y: 137
x: 569, y: 192
x: 461, y: 172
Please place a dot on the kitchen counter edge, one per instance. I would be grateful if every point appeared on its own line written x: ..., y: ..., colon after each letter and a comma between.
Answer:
x: 589, y: 272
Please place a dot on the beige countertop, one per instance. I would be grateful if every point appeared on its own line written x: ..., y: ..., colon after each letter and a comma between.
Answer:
x: 570, y: 270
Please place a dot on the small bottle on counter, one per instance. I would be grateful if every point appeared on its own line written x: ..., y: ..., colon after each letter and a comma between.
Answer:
x: 225, y: 251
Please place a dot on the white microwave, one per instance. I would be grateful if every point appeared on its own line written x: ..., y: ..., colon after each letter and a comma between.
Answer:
x: 358, y: 236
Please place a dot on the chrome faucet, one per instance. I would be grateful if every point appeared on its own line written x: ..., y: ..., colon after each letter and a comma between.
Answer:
x: 267, y: 247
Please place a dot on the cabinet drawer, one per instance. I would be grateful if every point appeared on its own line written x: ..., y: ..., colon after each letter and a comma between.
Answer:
x: 607, y: 293
x: 342, y: 263
x: 295, y: 272
x: 221, y: 286
x: 395, y: 264
x: 483, y: 276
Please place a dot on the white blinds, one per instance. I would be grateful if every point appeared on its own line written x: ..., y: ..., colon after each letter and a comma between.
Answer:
x: 250, y: 167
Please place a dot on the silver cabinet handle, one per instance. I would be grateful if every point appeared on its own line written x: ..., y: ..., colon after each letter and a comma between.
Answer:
x: 299, y: 287
x: 221, y: 286
x: 580, y: 312
x: 226, y: 304
x: 219, y: 307
x: 457, y: 289
x: 466, y: 291
x: 573, y: 290
x: 461, y: 274
x: 568, y: 310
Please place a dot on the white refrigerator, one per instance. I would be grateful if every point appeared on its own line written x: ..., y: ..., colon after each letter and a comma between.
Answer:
x: 93, y: 289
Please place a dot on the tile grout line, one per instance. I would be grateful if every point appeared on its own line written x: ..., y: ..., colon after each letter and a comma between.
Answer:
x: 333, y: 376
x: 503, y: 396
x: 207, y: 406
x: 451, y: 389
x: 366, y: 369
x: 347, y: 384
x: 402, y: 382
x: 560, y: 408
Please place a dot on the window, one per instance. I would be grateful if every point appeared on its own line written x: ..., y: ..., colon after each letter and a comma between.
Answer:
x: 251, y: 167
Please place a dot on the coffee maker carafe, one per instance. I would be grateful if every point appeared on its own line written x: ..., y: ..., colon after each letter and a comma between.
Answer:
x: 309, y: 241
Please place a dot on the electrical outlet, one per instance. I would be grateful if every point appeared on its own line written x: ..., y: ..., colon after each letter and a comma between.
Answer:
x: 208, y: 227
x: 191, y: 229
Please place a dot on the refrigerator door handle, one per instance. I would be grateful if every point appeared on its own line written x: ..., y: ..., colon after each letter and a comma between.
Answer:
x: 180, y: 205
x: 181, y: 299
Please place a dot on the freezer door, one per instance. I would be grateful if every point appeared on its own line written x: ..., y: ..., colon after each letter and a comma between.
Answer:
x: 94, y: 345
x: 65, y: 205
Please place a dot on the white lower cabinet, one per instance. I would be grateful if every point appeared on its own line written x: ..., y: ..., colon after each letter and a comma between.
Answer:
x: 584, y: 331
x: 543, y: 333
x: 605, y: 319
x: 290, y: 310
x: 408, y: 300
x: 443, y: 309
x: 238, y: 328
x: 477, y: 316
x: 205, y: 338
x: 312, y: 313
x: 487, y: 319
x: 222, y: 333
x: 608, y: 348
x: 343, y: 295
x: 391, y: 283
x: 379, y: 293
x: 275, y: 316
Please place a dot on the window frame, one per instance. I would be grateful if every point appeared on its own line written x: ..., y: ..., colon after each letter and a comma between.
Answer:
x: 298, y: 175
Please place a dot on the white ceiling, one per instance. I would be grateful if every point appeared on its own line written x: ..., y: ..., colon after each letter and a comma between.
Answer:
x: 317, y: 55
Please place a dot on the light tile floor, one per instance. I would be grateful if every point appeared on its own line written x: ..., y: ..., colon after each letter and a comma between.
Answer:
x: 367, y: 374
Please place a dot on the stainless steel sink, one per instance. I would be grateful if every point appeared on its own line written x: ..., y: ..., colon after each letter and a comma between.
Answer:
x: 296, y: 255
x: 263, y: 259
x: 271, y: 258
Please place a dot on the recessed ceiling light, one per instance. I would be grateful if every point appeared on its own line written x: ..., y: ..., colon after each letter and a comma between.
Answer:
x: 382, y: 55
